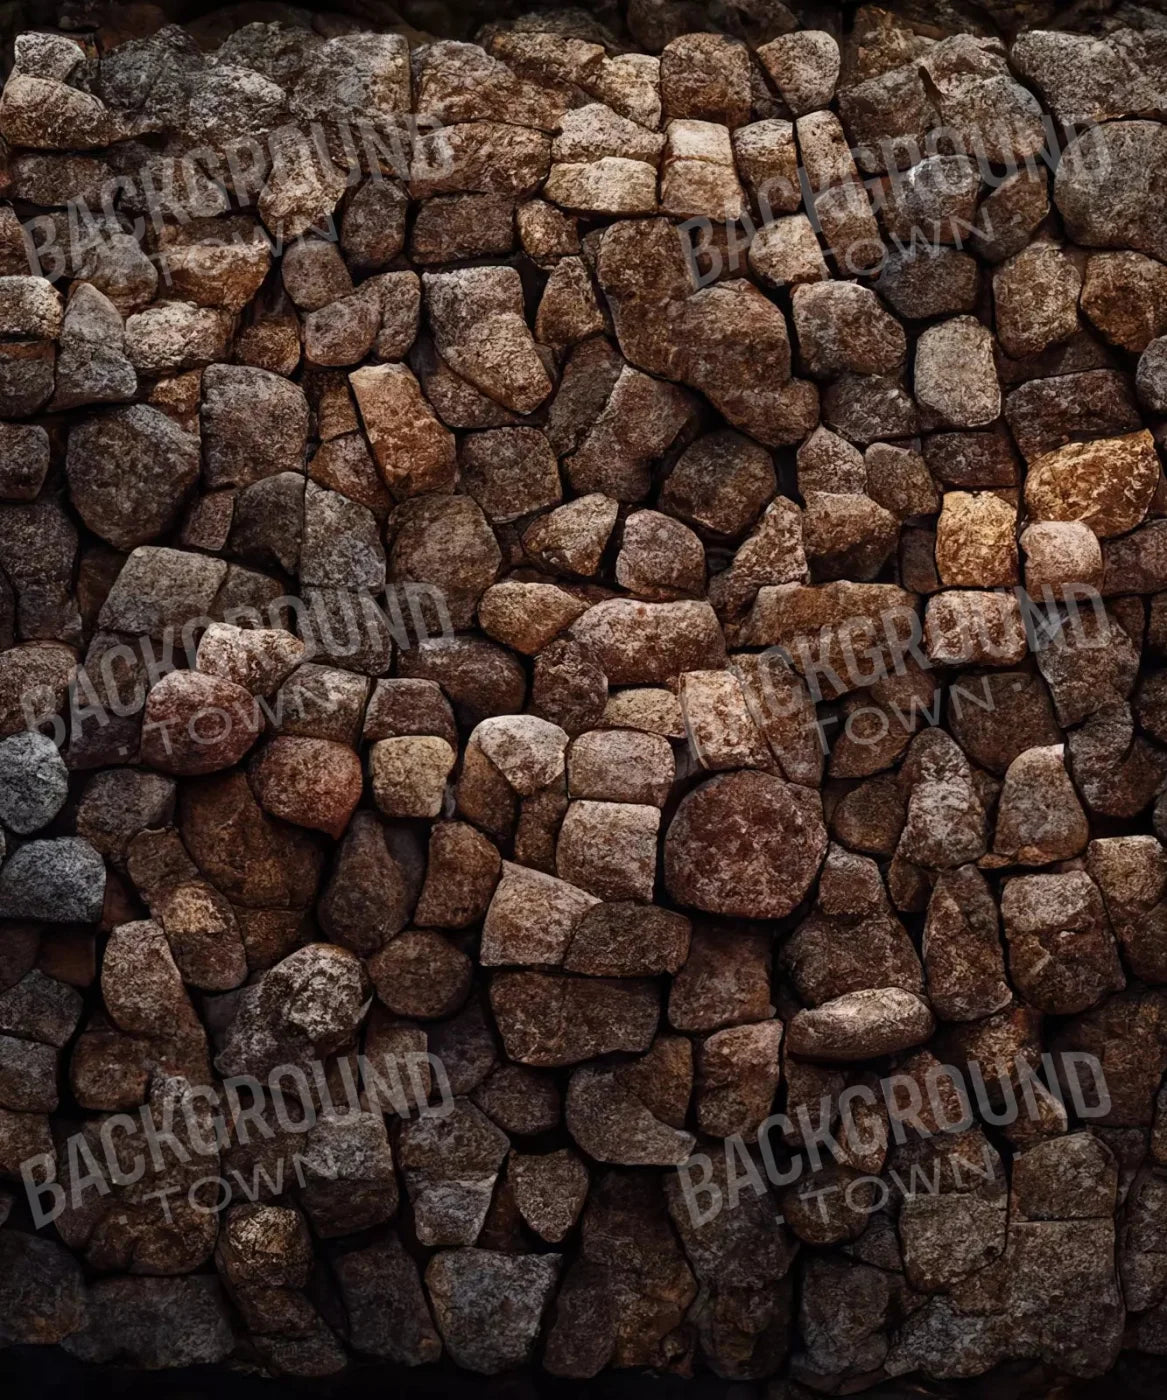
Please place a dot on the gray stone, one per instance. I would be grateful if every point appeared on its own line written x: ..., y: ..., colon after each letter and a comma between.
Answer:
x: 34, y: 782
x: 59, y: 881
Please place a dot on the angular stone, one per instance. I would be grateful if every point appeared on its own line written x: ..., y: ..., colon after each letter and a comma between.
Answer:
x: 659, y: 557
x: 527, y: 616
x: 374, y: 886
x: 1116, y: 771
x: 614, y: 765
x: 510, y: 472
x: 1125, y: 296
x: 140, y: 983
x: 476, y: 315
x: 963, y: 960
x: 737, y: 1078
x: 175, y: 336
x: 484, y: 156
x: 520, y: 1100
x: 259, y: 659
x: 1104, y: 183
x: 698, y: 179
x: 118, y: 804
x: 842, y: 328
x: 934, y: 200
x: 613, y: 1123
x: 527, y: 751
x: 462, y: 872
x: 725, y: 982
x: 387, y: 1313
x: 254, y: 425
x: 444, y: 541
x: 489, y: 1306
x: 310, y: 1004
x: 1046, y: 413
x: 1131, y: 873
x: 548, y: 1020
x: 976, y: 539
x: 532, y: 919
x: 869, y: 408
x: 409, y: 775
x: 627, y: 940
x: 571, y: 538
x: 1106, y: 484
x: 640, y: 420
x: 1062, y: 954
x: 549, y: 1190
x: 203, y: 934
x: 480, y: 678
x: 965, y: 628
x: 767, y: 159
x: 611, y: 185
x: 720, y: 484
x: 643, y: 643
x: 706, y: 76
x: 1088, y: 662
x: 805, y: 67
x: 1039, y: 819
x: 786, y: 252
x: 413, y: 451
x: 92, y: 366
x: 609, y: 848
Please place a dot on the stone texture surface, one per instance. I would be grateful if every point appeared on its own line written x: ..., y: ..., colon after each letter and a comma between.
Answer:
x: 581, y: 625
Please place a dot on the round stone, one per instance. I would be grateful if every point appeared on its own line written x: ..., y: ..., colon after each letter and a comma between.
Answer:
x: 746, y: 845
x: 34, y: 782
x: 312, y: 782
x: 198, y: 724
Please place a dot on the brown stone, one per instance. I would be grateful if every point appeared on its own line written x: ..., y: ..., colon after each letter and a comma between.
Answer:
x: 312, y: 782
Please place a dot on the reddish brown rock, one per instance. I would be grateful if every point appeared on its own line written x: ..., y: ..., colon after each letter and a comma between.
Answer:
x: 311, y: 782
x: 609, y: 848
x: 413, y: 451
x: 549, y: 1190
x: 1062, y: 954
x: 195, y: 724
x: 976, y: 539
x: 547, y: 1020
x: 861, y: 1025
x: 737, y: 1077
x: 1106, y: 484
x: 963, y: 960
x: 761, y: 842
x: 419, y: 974
x: 462, y: 870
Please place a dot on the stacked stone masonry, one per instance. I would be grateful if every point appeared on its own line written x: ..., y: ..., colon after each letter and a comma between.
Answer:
x: 617, y: 560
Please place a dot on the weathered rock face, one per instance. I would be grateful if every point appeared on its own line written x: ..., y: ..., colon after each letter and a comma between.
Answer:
x: 760, y: 840
x: 580, y: 639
